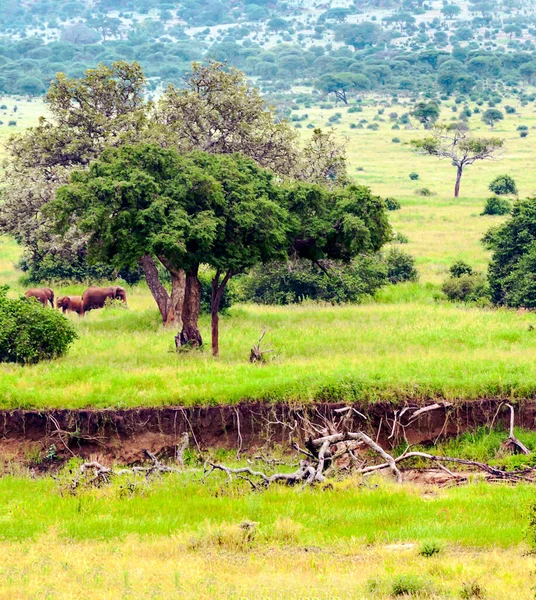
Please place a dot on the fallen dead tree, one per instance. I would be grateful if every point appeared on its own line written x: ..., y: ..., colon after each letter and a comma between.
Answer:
x: 329, y: 446
x: 93, y: 473
x: 330, y: 449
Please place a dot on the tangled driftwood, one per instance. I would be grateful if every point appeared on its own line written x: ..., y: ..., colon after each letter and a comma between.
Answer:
x: 330, y: 448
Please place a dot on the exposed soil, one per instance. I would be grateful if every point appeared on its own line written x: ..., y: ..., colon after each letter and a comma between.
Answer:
x: 122, y: 435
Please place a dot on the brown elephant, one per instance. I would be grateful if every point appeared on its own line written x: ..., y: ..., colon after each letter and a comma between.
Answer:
x: 95, y: 297
x: 70, y: 303
x: 44, y: 295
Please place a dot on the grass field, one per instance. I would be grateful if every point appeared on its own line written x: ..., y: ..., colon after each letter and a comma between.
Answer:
x: 177, y: 539
x: 407, y: 343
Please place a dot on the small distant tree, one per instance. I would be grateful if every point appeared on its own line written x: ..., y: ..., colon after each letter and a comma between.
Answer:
x: 451, y: 143
x: 451, y: 10
x: 492, y: 116
x: 426, y: 113
x: 504, y: 185
x: 340, y: 84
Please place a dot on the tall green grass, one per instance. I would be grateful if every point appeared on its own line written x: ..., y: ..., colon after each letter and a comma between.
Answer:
x: 377, y: 512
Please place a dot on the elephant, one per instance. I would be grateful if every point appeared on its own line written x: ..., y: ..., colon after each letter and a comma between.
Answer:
x: 44, y: 295
x: 70, y: 303
x: 95, y: 297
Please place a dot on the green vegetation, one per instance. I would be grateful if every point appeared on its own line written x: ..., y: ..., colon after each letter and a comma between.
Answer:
x: 177, y: 537
x: 28, y: 333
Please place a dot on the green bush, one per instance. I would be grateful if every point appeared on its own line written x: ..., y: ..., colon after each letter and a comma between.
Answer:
x: 400, y: 266
x: 392, y: 204
x: 459, y: 268
x: 296, y: 281
x: 426, y: 192
x: 414, y: 176
x: 30, y: 332
x: 512, y: 269
x: 409, y: 585
x: 503, y: 185
x: 496, y: 206
x: 466, y: 288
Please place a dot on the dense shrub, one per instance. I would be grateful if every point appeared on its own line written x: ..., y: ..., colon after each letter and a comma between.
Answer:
x: 496, y: 206
x: 392, y: 204
x: 53, y: 267
x: 466, y: 288
x: 296, y: 281
x: 512, y: 270
x: 30, y: 332
x: 459, y: 268
x: 503, y: 185
x: 413, y: 176
x: 400, y: 266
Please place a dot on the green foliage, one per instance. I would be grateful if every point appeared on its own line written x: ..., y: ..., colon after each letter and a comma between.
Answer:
x: 429, y: 549
x: 30, y: 332
x: 413, y: 176
x: 409, y: 585
x: 496, y: 206
x: 492, y: 116
x: 472, y: 590
x: 466, y: 288
x: 296, y: 281
x: 512, y: 270
x: 400, y: 266
x: 504, y: 185
x: 459, y: 268
x: 392, y: 204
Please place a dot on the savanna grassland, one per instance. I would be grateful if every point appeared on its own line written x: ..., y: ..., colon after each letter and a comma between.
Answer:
x: 407, y: 342
x: 177, y: 538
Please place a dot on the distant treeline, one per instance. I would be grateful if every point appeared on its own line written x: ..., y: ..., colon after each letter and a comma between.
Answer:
x: 27, y: 66
x: 278, y: 43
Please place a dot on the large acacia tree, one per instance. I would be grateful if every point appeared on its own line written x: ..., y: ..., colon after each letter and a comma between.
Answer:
x: 188, y: 210
x: 220, y: 210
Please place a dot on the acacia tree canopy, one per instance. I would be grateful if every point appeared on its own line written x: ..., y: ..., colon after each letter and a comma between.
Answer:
x: 458, y: 146
x: 220, y: 210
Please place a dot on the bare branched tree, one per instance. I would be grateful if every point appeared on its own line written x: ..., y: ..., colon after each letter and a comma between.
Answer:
x: 451, y: 142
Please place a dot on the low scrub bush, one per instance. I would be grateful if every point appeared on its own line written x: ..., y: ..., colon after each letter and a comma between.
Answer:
x: 392, y: 204
x: 400, y: 266
x: 414, y: 176
x: 429, y: 549
x: 410, y: 585
x: 466, y: 288
x: 472, y: 590
x: 503, y: 185
x: 30, y: 332
x: 459, y: 268
x: 496, y: 206
x: 424, y: 192
x: 296, y: 281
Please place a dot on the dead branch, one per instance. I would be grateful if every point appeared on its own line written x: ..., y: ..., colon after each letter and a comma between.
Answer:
x: 257, y: 354
x: 512, y: 442
x: 103, y: 474
x: 181, y: 448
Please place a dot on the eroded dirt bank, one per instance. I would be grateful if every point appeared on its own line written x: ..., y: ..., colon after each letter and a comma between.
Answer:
x: 122, y: 435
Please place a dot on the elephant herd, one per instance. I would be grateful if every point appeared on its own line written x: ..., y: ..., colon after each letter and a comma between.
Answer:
x: 93, y: 297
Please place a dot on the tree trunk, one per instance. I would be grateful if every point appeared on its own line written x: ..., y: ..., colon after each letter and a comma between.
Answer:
x: 190, y: 335
x: 458, y: 181
x: 215, y: 300
x: 170, y: 307
x: 178, y: 289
